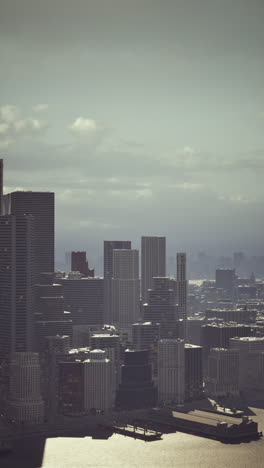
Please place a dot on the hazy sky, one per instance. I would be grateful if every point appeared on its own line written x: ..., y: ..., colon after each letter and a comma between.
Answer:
x: 144, y: 116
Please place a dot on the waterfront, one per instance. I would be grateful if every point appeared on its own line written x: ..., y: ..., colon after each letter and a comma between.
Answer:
x: 174, y: 450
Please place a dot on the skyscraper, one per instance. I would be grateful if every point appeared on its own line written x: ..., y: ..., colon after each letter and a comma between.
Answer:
x: 109, y: 246
x: 153, y: 262
x: 182, y: 290
x: 125, y: 288
x: 17, y: 279
x: 1, y: 185
x: 171, y: 371
x: 41, y: 206
x: 79, y: 263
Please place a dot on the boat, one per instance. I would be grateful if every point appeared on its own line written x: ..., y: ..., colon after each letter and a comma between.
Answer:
x: 134, y: 431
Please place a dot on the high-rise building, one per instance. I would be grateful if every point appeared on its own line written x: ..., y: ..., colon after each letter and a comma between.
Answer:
x: 98, y: 393
x: 136, y: 389
x: 250, y: 351
x: 71, y: 386
x: 41, y: 206
x: 182, y: 290
x: 84, y: 298
x: 171, y: 371
x: 153, y: 262
x: 125, y: 288
x: 109, y: 246
x: 193, y: 372
x: 1, y: 185
x: 225, y: 278
x: 79, y: 263
x: 145, y: 335
x: 223, y: 372
x: 25, y: 401
x: 17, y: 279
x: 161, y: 307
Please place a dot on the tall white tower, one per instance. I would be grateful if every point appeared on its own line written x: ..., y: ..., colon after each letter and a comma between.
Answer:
x: 153, y: 262
x: 171, y: 369
x: 125, y: 288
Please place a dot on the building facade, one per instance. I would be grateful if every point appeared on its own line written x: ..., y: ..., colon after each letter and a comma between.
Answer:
x: 153, y: 262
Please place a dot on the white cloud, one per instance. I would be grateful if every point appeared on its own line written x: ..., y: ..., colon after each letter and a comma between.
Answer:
x: 9, y: 113
x: 40, y: 108
x: 83, y: 127
x: 11, y: 127
x: 193, y: 187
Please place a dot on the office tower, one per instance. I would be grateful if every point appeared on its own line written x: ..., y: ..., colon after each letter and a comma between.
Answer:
x: 125, y: 289
x: 71, y: 387
x: 84, y: 298
x: 111, y: 345
x: 243, y: 315
x: 41, y: 206
x: 145, y: 335
x: 25, y: 401
x: 219, y: 334
x: 17, y: 278
x: 98, y: 393
x: 1, y: 186
x: 79, y: 263
x: 51, y: 319
x: 226, y: 279
x: 250, y: 352
x: 222, y: 378
x: 171, y: 371
x: 109, y: 246
x: 161, y: 307
x: 153, y: 262
x: 182, y: 291
x: 136, y: 389
x: 193, y: 372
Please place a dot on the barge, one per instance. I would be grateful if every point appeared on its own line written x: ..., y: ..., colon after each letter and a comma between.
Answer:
x: 133, y: 431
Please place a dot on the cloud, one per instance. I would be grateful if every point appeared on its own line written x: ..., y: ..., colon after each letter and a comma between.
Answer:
x: 40, y: 108
x: 83, y: 127
x: 193, y: 187
x: 9, y: 113
x: 12, y: 127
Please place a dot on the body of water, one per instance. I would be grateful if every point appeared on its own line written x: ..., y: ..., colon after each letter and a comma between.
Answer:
x: 174, y: 450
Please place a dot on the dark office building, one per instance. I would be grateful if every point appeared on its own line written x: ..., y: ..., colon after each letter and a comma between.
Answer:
x: 217, y: 335
x: 109, y: 246
x: 136, y: 389
x: 41, y: 206
x: 17, y: 278
x: 84, y: 298
x: 193, y: 372
x: 79, y: 263
x: 71, y: 387
x: 225, y: 279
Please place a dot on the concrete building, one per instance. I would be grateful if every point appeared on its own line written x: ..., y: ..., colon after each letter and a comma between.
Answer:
x: 182, y: 286
x: 25, y: 401
x: 125, y: 289
x: 223, y: 372
x: 250, y: 350
x: 161, y: 307
x: 171, y: 372
x: 98, y: 393
x: 153, y: 262
x: 109, y: 246
x: 41, y: 206
x: 145, y: 335
x: 84, y: 298
x: 241, y: 315
x: 193, y: 372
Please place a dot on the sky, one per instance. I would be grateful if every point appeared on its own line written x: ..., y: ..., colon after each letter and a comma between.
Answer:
x: 145, y: 117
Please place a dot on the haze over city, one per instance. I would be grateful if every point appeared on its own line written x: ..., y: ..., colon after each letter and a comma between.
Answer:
x: 143, y: 116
